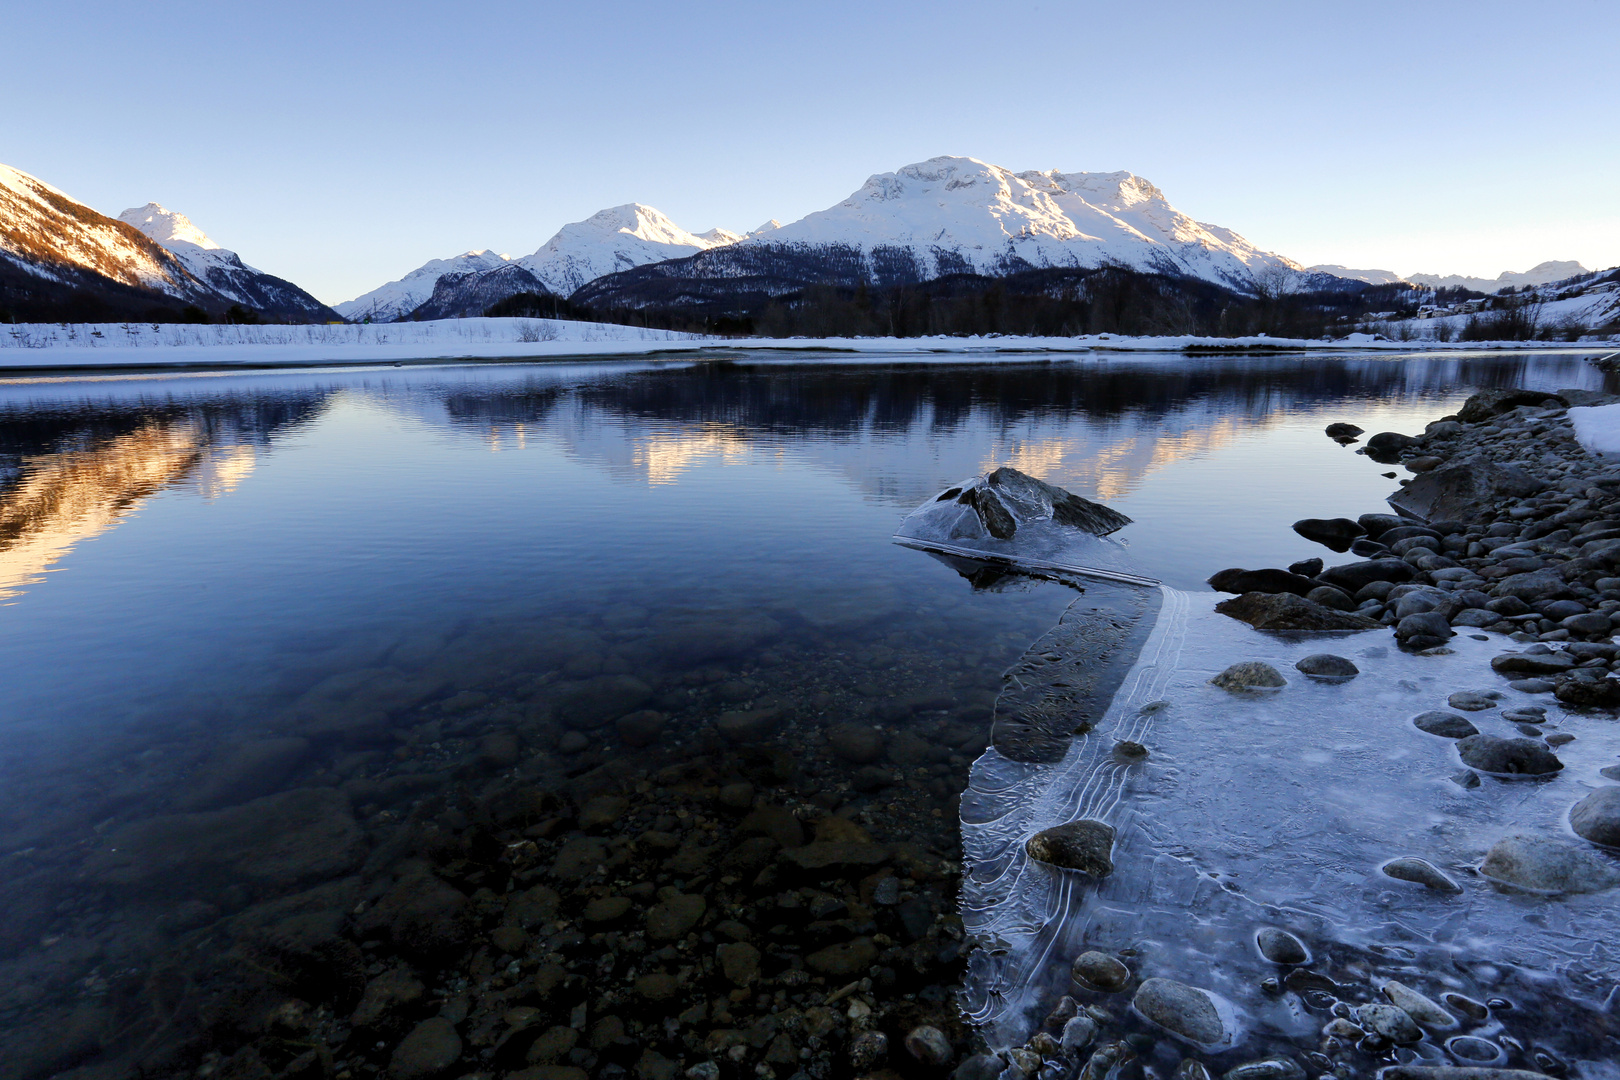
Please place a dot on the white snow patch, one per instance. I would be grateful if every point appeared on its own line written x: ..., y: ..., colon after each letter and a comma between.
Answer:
x: 1597, y: 427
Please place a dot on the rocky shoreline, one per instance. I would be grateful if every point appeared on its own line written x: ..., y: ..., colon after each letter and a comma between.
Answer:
x: 1508, y: 527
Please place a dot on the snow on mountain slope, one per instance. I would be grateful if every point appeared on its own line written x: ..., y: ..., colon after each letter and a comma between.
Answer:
x: 1541, y: 274
x: 396, y: 299
x: 1371, y: 277
x: 52, y: 235
x: 223, y: 270
x: 957, y: 214
x: 612, y: 240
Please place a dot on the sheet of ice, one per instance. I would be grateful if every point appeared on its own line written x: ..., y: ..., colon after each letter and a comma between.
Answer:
x: 1597, y: 427
x: 1278, y: 809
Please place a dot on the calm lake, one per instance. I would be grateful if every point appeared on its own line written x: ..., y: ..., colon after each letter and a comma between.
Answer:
x: 386, y: 590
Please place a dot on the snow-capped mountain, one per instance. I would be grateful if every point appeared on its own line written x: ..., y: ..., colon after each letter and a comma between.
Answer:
x: 959, y: 214
x: 397, y: 299
x: 619, y: 238
x: 49, y: 235
x: 61, y: 259
x: 1371, y: 277
x: 1541, y: 274
x: 611, y: 240
x: 221, y: 269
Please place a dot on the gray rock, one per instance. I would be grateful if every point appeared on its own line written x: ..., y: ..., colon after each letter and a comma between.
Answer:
x: 1327, y: 666
x: 1343, y: 431
x: 1285, y: 611
x: 277, y: 841
x: 1266, y: 1069
x: 1331, y: 596
x: 1379, y: 524
x: 1268, y: 580
x: 1488, y: 404
x: 246, y: 771
x: 1281, y: 947
x: 1390, y: 1022
x: 591, y: 703
x: 1477, y: 618
x: 1473, y: 700
x: 1587, y: 625
x: 1084, y: 845
x: 857, y: 743
x: 674, y: 914
x: 426, y: 1052
x: 1306, y: 567
x: 1421, y: 872
x: 1336, y: 533
x: 1386, y: 447
x: 1099, y: 971
x: 1465, y: 491
x: 929, y: 1045
x: 1532, y: 587
x: 641, y: 728
x: 1351, y: 577
x: 1186, y: 1012
x: 1426, y: 1012
x: 1524, y: 663
x: 868, y: 1049
x: 978, y: 1067
x: 1512, y: 757
x: 1078, y: 1033
x: 1456, y: 1072
x: 748, y: 726
x: 1250, y: 675
x: 1425, y: 625
x: 845, y: 960
x: 1444, y: 724
x: 1597, y: 817
x: 1543, y: 864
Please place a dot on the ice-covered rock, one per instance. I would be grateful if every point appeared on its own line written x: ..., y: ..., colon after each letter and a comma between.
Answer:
x: 1007, y: 505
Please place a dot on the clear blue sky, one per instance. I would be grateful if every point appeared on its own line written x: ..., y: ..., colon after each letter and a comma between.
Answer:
x: 342, y: 144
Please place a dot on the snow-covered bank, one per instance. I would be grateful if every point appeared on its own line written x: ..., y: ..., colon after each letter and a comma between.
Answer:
x: 147, y: 345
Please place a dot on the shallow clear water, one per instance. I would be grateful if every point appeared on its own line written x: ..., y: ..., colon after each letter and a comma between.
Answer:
x: 389, y: 564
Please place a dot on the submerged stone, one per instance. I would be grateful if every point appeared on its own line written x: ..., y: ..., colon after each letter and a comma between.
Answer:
x: 1250, y: 675
x: 1099, y: 971
x: 1444, y: 724
x: 1285, y: 611
x: 1328, y: 667
x: 1511, y: 757
x: 1543, y: 864
x: 1281, y: 947
x: 1186, y: 1012
x: 1420, y: 872
x: 1083, y: 845
x: 1597, y: 817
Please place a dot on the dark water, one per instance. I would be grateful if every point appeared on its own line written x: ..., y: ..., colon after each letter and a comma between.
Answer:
x: 385, y: 583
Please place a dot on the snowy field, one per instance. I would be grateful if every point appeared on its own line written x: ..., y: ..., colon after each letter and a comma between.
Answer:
x: 146, y: 345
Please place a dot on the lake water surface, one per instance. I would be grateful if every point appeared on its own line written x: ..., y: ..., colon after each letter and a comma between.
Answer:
x: 388, y: 583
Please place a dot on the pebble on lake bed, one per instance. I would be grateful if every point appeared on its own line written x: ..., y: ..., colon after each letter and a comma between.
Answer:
x: 1281, y: 947
x: 1421, y: 872
x: 1187, y: 1012
x: 1099, y: 971
x: 1250, y: 675
x: 1084, y: 845
x: 1328, y: 667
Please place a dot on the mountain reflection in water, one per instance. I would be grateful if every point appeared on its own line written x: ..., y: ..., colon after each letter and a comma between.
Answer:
x: 385, y: 618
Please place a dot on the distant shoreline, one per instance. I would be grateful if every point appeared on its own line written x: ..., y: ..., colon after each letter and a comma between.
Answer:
x: 139, y: 346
